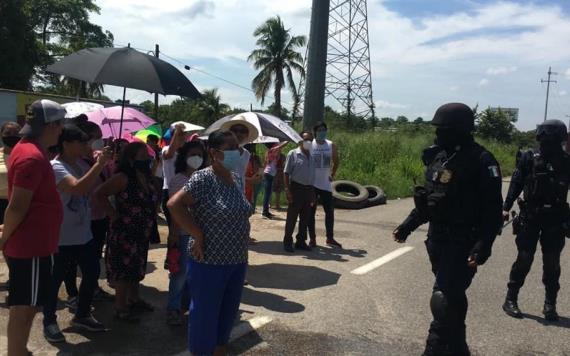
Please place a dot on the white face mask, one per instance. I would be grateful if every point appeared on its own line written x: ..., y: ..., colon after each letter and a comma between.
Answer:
x: 98, y: 145
x: 307, y: 145
x: 194, y: 162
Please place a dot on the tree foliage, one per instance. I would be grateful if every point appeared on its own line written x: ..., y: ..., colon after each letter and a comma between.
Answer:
x: 277, y: 59
x: 496, y: 125
x: 34, y: 33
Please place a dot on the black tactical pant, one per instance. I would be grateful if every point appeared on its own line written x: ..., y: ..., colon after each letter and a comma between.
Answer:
x: 447, y: 335
x: 552, y: 240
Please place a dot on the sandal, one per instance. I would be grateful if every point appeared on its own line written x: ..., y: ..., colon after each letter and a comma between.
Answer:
x: 141, y: 305
x: 127, y: 316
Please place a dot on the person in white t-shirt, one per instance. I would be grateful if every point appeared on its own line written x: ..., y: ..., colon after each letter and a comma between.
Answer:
x: 75, y: 181
x: 168, y: 160
x: 325, y: 157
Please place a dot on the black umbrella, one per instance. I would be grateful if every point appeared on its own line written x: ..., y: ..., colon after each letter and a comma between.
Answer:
x: 125, y: 67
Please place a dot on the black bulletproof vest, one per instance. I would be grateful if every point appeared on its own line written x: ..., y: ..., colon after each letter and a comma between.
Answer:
x: 547, y: 184
x: 452, y: 185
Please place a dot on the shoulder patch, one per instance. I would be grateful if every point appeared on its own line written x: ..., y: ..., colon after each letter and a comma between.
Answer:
x: 494, y: 171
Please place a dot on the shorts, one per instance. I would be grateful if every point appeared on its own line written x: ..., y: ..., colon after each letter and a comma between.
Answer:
x: 30, y: 280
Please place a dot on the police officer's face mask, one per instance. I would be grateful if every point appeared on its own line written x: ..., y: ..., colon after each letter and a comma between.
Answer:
x: 447, y: 138
x: 549, y: 144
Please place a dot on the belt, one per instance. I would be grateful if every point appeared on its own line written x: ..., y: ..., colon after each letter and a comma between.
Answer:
x: 299, y: 185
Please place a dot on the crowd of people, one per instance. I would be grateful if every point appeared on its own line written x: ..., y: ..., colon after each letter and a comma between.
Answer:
x: 70, y: 198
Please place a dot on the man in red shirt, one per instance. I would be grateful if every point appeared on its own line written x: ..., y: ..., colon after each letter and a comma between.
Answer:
x: 32, y: 221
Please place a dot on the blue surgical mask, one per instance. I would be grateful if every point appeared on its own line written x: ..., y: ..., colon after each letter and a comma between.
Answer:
x: 321, y: 135
x: 231, y: 159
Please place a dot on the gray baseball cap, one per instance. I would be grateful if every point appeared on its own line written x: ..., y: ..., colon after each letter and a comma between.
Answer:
x: 41, y: 113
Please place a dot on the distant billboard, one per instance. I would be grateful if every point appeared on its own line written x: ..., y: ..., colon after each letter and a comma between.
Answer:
x: 512, y: 112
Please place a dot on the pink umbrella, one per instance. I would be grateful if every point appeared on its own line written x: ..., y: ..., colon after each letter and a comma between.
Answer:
x: 109, y: 119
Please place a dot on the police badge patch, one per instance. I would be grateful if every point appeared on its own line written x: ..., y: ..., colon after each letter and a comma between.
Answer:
x: 446, y: 176
x: 494, y: 171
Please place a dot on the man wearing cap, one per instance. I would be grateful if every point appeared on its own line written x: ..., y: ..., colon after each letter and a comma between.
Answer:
x: 461, y: 199
x: 32, y: 220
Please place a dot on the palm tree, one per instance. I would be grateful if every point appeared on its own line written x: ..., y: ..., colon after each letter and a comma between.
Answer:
x: 276, y: 58
x: 210, y: 108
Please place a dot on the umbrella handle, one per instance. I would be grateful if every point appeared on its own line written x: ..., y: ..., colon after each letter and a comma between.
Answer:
x: 122, y: 113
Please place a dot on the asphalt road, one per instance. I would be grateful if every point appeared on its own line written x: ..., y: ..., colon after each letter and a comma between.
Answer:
x: 310, y: 303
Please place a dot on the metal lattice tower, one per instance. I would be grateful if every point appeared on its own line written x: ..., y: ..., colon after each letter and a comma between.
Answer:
x: 348, y: 78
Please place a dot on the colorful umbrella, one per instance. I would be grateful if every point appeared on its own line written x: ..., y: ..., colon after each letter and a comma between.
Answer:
x: 151, y: 130
x: 109, y: 119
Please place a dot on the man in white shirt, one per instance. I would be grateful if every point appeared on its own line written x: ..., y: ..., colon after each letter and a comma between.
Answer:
x: 325, y: 158
x: 168, y: 159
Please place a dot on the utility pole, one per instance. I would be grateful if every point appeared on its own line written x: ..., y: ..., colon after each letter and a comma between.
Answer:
x: 548, y: 81
x: 156, y: 53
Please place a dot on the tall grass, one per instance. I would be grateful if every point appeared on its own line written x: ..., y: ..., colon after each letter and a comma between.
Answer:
x: 392, y: 160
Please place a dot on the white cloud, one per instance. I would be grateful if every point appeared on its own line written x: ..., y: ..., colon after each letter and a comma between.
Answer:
x: 417, y: 61
x: 501, y: 70
x: 383, y: 104
x: 483, y: 82
x: 562, y: 92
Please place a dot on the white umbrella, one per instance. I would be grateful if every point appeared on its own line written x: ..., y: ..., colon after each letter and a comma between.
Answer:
x: 266, y: 139
x: 77, y: 108
x: 188, y: 127
x: 266, y: 124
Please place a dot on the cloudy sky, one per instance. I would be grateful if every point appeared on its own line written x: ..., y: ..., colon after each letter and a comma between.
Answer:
x: 423, y: 52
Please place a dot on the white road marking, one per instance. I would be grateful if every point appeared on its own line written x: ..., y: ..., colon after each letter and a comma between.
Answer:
x: 382, y: 260
x: 248, y: 326
x: 242, y: 329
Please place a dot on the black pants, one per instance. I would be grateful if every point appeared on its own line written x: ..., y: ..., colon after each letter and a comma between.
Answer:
x: 447, y: 332
x: 299, y: 208
x: 3, y: 206
x: 85, y: 256
x: 552, y: 241
x: 165, y: 197
x: 326, y: 199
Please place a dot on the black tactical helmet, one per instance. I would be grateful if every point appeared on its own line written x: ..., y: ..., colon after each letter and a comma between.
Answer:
x: 455, y: 116
x: 552, y: 128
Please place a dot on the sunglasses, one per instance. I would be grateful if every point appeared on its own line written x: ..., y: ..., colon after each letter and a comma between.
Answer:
x: 240, y: 130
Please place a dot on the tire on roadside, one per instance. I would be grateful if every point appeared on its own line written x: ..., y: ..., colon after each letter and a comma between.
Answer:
x: 376, y: 195
x: 358, y: 199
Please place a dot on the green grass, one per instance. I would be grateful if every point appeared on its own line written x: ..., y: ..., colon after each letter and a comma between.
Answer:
x: 392, y: 160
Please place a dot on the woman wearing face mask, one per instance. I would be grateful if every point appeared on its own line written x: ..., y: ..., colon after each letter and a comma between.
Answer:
x: 99, y: 221
x: 214, y: 211
x: 189, y: 159
x: 132, y: 221
x: 77, y: 247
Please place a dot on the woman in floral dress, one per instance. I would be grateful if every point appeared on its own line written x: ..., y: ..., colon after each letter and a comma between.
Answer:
x: 132, y: 219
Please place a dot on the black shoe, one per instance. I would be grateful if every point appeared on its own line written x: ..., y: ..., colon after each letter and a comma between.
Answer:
x: 288, y: 248
x: 512, y: 309
x: 550, y: 313
x: 302, y: 245
x: 88, y: 323
x: 268, y: 215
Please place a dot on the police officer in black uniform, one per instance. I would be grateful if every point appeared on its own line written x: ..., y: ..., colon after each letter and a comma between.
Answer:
x: 462, y: 202
x: 544, y: 176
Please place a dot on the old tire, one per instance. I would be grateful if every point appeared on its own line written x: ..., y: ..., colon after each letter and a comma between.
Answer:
x: 358, y: 198
x: 376, y: 195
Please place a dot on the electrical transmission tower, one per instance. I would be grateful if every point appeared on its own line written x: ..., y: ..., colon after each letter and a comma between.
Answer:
x: 348, y: 77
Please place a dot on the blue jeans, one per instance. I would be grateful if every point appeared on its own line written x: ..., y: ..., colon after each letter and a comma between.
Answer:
x: 268, y: 189
x: 215, y: 294
x: 176, y: 287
